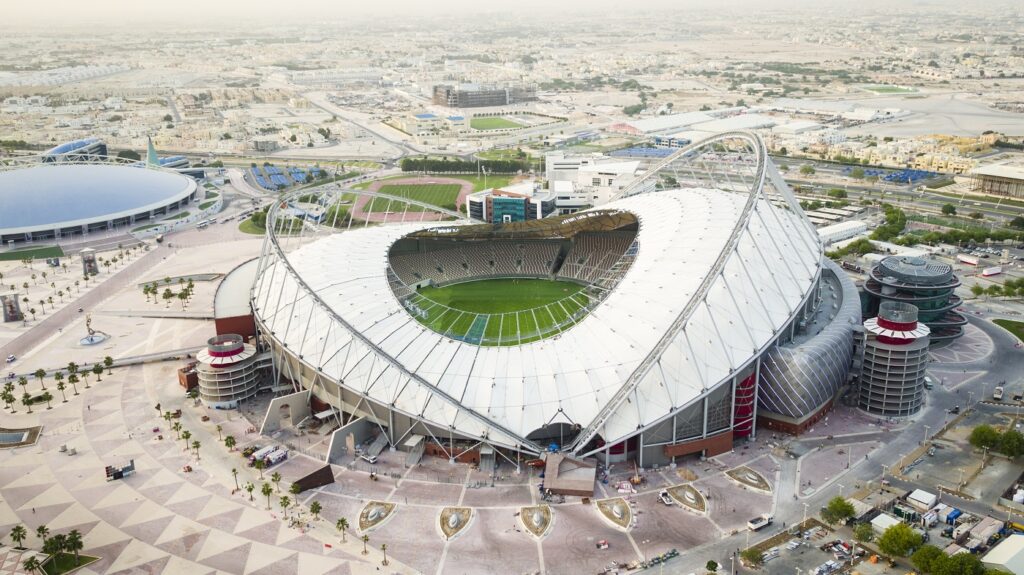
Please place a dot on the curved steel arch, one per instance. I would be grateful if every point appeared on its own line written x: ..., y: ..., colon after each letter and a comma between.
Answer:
x: 679, y: 323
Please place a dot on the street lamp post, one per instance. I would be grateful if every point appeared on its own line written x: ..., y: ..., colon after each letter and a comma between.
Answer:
x: 926, y: 430
x: 804, y: 522
x: 984, y: 454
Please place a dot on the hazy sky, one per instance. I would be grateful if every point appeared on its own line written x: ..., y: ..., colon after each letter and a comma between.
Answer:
x: 113, y: 12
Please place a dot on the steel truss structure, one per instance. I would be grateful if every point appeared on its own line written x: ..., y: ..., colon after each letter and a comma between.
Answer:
x: 727, y: 269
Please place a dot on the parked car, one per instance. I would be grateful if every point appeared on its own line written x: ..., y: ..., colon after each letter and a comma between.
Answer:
x: 11, y: 359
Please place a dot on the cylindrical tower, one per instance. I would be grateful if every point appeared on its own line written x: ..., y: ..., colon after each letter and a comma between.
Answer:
x: 895, y: 355
x: 227, y: 371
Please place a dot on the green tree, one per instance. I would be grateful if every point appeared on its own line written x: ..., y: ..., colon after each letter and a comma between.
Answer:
x: 267, y: 491
x: 342, y: 525
x: 230, y: 442
x: 837, y: 193
x: 711, y: 565
x: 195, y: 447
x: 864, y: 533
x: 753, y: 557
x: 1017, y: 223
x: 1011, y: 443
x: 32, y: 565
x: 948, y: 209
x: 366, y: 539
x: 315, y: 509
x: 276, y: 478
x: 42, y: 531
x: 260, y: 465
x: 807, y: 170
x: 977, y: 290
x: 984, y: 437
x: 250, y: 488
x: 129, y: 155
x: 219, y: 429
x: 61, y: 387
x: 41, y: 375
x: 73, y: 380
x: 898, y: 540
x: 47, y: 398
x: 74, y: 543
x: 285, y: 502
x: 927, y: 558
x: 18, y: 535
x: 108, y: 362
x: 857, y: 173
x: 97, y: 370
x: 976, y: 215
x: 959, y: 564
x: 837, y: 511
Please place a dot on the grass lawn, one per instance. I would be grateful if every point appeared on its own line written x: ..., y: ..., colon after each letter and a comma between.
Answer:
x: 177, y: 216
x: 206, y: 204
x: 145, y: 227
x: 500, y: 311
x: 884, y: 89
x: 503, y: 154
x: 34, y: 253
x: 1014, y: 327
x: 493, y: 124
x: 64, y: 562
x: 247, y: 226
x: 442, y: 195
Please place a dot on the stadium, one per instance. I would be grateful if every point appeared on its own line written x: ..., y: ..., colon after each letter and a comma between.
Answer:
x: 48, y: 198
x: 661, y: 324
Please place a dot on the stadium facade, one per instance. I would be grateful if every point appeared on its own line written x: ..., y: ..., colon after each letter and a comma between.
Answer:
x: 698, y: 309
x: 45, y: 199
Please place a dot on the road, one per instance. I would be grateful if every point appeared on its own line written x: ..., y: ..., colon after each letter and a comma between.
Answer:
x: 1003, y: 364
x: 111, y: 284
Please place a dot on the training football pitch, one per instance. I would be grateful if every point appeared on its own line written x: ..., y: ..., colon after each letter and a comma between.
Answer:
x: 887, y: 89
x: 442, y: 195
x: 493, y: 124
x: 505, y: 311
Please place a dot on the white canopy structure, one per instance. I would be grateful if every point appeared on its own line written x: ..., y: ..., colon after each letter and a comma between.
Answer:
x: 720, y: 269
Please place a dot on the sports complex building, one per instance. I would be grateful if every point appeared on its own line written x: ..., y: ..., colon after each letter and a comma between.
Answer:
x: 661, y: 324
x: 51, y: 197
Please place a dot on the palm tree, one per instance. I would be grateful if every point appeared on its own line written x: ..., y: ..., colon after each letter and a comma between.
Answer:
x: 229, y: 442
x: 60, y: 294
x: 196, y: 445
x: 32, y: 565
x: 234, y: 473
x: 267, y: 491
x: 285, y: 503
x: 108, y: 362
x: 342, y: 525
x: 250, y: 487
x: 366, y: 539
x: 8, y: 398
x: 276, y: 478
x: 73, y: 379
x: 182, y: 296
x: 61, y: 387
x: 259, y: 465
x: 74, y: 543
x: 42, y: 531
x: 49, y: 300
x: 384, y: 549
x: 77, y: 289
x: 58, y: 377
x: 219, y: 429
x: 18, y: 535
x: 41, y: 374
x: 315, y: 509
x: 72, y: 368
x: 32, y: 311
x: 26, y: 400
x: 186, y: 435
x: 23, y: 381
x: 97, y: 370
x: 177, y: 429
x: 85, y: 377
x: 47, y: 398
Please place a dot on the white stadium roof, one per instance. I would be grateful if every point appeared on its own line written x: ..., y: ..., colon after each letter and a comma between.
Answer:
x: 373, y: 345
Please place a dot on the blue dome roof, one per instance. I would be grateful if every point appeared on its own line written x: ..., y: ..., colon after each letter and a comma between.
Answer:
x: 50, y: 195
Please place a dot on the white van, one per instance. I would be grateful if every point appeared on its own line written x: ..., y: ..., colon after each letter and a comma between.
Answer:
x: 371, y: 459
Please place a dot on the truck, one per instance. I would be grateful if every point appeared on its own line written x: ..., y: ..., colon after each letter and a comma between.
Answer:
x: 997, y: 394
x: 261, y: 454
x: 758, y: 523
x: 992, y: 271
x: 967, y: 259
x: 277, y: 457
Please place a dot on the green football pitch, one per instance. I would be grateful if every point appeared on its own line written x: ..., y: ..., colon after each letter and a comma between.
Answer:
x: 493, y: 124
x: 500, y: 311
x: 442, y: 195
